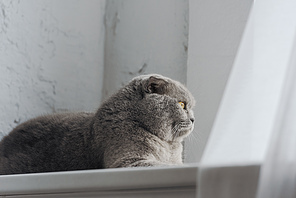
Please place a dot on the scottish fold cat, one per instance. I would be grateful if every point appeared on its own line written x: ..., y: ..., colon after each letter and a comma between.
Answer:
x: 143, y: 124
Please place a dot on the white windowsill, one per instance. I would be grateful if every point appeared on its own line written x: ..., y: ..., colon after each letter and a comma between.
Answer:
x: 179, y: 179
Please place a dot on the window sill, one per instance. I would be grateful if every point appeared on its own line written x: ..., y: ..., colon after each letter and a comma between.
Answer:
x: 125, y: 182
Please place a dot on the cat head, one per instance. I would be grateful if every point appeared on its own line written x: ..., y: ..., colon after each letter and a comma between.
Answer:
x: 164, y: 107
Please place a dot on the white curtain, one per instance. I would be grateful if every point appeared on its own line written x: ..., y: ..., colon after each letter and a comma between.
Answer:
x: 254, y: 128
x: 278, y: 175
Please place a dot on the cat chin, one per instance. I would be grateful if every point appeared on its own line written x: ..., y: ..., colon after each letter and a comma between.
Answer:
x: 183, y: 133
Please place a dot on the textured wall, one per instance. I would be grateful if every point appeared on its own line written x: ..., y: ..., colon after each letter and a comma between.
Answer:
x: 52, y: 53
x: 51, y: 58
x: 145, y: 37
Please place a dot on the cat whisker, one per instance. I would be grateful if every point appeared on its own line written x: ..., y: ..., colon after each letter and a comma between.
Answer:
x: 175, y: 131
x: 179, y: 128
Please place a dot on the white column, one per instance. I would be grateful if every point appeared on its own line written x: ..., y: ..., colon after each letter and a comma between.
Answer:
x: 215, y: 31
x: 145, y: 37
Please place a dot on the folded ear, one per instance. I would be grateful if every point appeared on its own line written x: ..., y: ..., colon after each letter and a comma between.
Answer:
x: 155, y: 85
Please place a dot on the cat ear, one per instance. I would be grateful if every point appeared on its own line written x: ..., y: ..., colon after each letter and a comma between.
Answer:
x: 155, y: 85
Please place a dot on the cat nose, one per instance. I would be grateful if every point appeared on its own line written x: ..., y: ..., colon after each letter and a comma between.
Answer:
x: 192, y: 120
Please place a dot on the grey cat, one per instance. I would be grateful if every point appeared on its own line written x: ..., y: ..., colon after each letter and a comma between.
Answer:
x: 143, y: 124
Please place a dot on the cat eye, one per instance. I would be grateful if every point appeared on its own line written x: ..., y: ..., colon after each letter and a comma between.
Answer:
x: 182, y: 104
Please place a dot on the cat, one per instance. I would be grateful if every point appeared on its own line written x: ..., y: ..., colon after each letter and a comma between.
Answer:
x: 143, y: 124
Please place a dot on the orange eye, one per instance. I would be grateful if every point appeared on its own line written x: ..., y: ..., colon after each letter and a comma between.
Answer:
x: 182, y: 104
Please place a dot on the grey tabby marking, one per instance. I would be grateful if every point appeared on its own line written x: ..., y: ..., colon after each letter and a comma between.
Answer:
x: 143, y: 124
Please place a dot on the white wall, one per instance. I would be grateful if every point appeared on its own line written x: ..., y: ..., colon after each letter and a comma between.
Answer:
x: 145, y: 37
x: 52, y: 53
x: 51, y: 58
x: 215, y: 32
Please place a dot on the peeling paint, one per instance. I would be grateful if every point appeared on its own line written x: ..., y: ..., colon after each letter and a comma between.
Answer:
x: 115, y: 21
x: 143, y: 68
x: 139, y: 71
x: 185, y: 47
